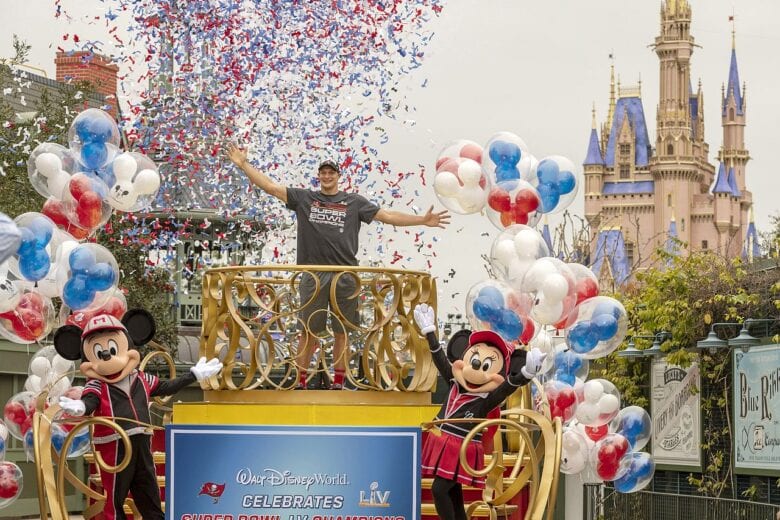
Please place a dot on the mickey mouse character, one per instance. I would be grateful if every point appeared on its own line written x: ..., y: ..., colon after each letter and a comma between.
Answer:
x: 483, y: 371
x: 116, y: 388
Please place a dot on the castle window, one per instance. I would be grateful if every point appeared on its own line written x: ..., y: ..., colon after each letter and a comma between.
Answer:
x: 625, y: 171
x: 670, y: 149
x: 704, y: 245
x: 625, y: 150
x: 731, y: 114
x: 682, y: 225
x: 669, y: 200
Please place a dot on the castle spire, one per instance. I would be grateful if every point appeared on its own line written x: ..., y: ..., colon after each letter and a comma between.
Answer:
x: 611, y: 112
x: 594, y: 155
x: 733, y: 86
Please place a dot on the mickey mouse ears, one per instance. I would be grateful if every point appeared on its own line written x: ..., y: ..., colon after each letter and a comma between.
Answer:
x: 138, y: 322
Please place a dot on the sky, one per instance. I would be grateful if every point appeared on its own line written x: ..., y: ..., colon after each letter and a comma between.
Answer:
x: 534, y: 68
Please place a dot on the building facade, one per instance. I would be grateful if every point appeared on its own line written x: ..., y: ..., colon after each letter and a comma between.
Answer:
x: 642, y: 193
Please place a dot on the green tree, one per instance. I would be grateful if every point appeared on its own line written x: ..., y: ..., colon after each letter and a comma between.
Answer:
x: 684, y: 297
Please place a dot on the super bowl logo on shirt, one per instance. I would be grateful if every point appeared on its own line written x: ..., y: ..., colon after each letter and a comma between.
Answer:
x: 328, y: 213
x: 375, y: 497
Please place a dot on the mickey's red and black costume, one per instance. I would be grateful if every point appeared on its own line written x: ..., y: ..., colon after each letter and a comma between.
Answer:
x: 482, y: 371
x: 116, y: 388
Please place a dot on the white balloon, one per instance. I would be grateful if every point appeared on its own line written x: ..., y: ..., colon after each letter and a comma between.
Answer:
x: 3, y: 431
x: 555, y: 287
x: 59, y: 387
x: 146, y: 182
x: 57, y: 183
x: 593, y: 391
x: 33, y: 384
x: 547, y: 313
x: 540, y: 269
x: 48, y: 164
x: 62, y: 365
x: 40, y: 366
x: 470, y: 172
x: 471, y: 199
x: 527, y: 242
x: 518, y: 268
x: 587, y: 412
x: 446, y: 184
x: 505, y: 252
x: 574, y: 452
x: 9, y: 294
x: 608, y: 404
x: 124, y: 166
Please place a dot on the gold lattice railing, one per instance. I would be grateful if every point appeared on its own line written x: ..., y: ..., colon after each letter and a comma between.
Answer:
x: 251, y: 320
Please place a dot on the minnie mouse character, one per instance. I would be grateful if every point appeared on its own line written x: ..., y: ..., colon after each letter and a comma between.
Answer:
x: 483, y: 371
x: 116, y: 388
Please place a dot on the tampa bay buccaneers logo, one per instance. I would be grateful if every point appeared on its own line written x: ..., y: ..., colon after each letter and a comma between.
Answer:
x: 213, y: 490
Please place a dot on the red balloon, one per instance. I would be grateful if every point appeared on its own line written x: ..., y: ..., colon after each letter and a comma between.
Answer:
x: 448, y: 165
x: 29, y: 324
x: 499, y: 200
x: 586, y: 288
x: 527, y: 201
x: 32, y: 301
x: 609, y: 455
x: 473, y: 152
x: 89, y: 210
x: 53, y: 209
x: 528, y: 331
x: 9, y: 487
x: 15, y: 412
x: 595, y: 433
x: 561, y: 403
x: 79, y: 185
x: 506, y: 218
x: 519, y: 215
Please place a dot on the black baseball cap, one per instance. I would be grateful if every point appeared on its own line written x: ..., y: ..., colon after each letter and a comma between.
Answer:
x: 329, y: 164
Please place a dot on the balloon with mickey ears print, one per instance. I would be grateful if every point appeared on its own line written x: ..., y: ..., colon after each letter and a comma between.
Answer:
x: 136, y: 182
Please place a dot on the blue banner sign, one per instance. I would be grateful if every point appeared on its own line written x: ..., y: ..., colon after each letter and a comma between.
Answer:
x: 757, y: 409
x: 292, y: 473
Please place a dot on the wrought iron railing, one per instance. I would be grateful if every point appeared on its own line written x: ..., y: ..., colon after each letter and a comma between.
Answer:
x: 251, y: 320
x: 648, y: 505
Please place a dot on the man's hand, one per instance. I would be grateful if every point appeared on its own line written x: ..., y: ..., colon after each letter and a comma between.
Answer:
x: 533, y: 363
x: 204, y: 369
x: 74, y: 407
x: 236, y: 155
x: 423, y: 315
x: 439, y: 219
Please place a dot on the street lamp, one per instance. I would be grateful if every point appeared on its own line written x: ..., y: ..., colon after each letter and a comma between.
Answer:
x: 631, y: 352
x: 744, y: 340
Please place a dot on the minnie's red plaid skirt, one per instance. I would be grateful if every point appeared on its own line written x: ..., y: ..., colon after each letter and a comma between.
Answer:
x: 440, y: 458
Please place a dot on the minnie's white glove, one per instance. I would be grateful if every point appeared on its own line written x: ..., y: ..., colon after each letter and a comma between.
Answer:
x: 204, y: 369
x: 423, y: 315
x: 73, y: 407
x: 533, y: 363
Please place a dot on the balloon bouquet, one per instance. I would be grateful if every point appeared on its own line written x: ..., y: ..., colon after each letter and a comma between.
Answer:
x: 537, y: 295
x: 46, y: 255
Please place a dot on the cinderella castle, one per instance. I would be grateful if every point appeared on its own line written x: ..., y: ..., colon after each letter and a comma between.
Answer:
x: 641, y: 195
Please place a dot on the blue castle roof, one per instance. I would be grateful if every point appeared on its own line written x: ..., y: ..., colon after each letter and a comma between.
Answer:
x: 547, y: 238
x: 611, y: 248
x: 594, y: 150
x: 721, y: 181
x: 733, y: 85
x: 751, y: 247
x: 733, y: 183
x: 632, y: 108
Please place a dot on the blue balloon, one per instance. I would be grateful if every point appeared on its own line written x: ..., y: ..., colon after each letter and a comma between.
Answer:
x: 485, y: 309
x: 508, y: 325
x: 76, y: 293
x: 632, y: 426
x: 27, y: 241
x: 547, y: 172
x: 79, y: 443
x: 81, y: 259
x: 605, y: 326
x: 10, y: 237
x: 626, y: 483
x: 106, y: 174
x: 101, y: 277
x: 606, y: 307
x: 507, y: 173
x: 94, y: 155
x: 493, y: 295
x: 642, y: 467
x: 548, y: 193
x: 34, y: 265
x: 94, y: 128
x: 504, y: 153
x: 42, y: 230
x: 582, y: 339
x: 566, y: 182
x: 565, y: 377
x: 58, y: 440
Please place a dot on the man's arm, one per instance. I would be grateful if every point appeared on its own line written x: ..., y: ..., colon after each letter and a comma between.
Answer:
x: 438, y: 219
x: 238, y: 157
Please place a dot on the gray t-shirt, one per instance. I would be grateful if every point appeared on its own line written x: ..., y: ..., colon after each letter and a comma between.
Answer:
x: 329, y: 225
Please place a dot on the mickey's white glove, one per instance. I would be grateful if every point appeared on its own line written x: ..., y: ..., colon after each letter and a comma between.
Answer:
x: 204, y: 369
x: 533, y: 363
x: 423, y: 315
x: 73, y: 407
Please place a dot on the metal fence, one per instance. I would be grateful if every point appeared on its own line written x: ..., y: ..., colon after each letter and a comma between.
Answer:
x: 646, y: 505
